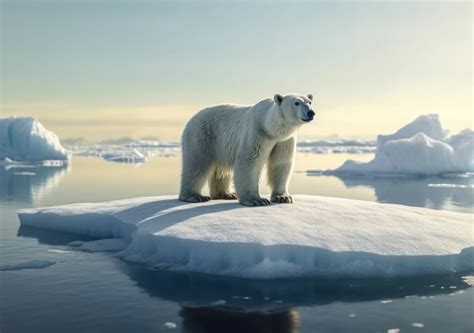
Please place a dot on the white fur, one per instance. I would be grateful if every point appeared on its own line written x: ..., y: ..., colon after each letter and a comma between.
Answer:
x: 242, y: 139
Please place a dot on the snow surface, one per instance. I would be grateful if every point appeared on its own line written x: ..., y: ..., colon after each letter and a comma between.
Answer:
x: 25, y: 139
x: 419, y: 148
x: 27, y: 265
x: 317, y: 236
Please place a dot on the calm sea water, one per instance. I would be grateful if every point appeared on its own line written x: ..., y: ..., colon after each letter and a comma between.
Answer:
x: 97, y: 292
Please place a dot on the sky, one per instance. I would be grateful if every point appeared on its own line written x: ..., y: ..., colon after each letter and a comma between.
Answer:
x: 108, y: 69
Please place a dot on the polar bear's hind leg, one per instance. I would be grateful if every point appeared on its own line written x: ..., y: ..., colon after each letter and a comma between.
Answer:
x: 196, y: 170
x: 220, y: 183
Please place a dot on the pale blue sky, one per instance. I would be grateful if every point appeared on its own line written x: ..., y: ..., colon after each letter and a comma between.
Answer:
x: 82, y: 66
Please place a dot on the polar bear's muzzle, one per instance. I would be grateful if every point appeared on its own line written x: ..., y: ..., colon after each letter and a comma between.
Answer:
x: 309, y: 116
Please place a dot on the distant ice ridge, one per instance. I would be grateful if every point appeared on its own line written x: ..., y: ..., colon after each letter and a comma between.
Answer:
x: 24, y: 139
x: 347, y: 146
x: 128, y: 152
x: 345, y: 238
x: 420, y: 148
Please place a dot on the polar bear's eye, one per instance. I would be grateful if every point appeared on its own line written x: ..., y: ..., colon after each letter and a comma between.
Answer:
x: 297, y: 103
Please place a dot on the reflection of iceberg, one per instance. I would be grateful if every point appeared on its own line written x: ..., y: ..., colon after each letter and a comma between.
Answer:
x: 212, y: 320
x: 276, y: 295
x: 29, y: 184
x: 420, y: 192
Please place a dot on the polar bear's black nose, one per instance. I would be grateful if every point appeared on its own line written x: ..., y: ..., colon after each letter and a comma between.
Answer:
x: 310, y: 114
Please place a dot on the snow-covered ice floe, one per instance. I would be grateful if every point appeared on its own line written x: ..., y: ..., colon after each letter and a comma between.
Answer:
x: 316, y: 236
x: 24, y: 140
x: 420, y: 148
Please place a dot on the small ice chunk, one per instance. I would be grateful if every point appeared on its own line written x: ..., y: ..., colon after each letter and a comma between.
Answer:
x: 27, y: 265
x: 393, y: 330
x: 59, y: 251
x: 386, y: 301
x: 418, y: 325
x: 169, y: 325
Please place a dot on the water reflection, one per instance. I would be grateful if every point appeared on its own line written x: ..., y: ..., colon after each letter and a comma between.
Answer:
x: 212, y: 320
x: 29, y: 184
x: 195, y: 290
x: 279, y: 295
x: 418, y: 192
x: 225, y: 304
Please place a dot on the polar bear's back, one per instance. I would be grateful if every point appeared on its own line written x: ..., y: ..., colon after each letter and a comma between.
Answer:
x: 217, y: 130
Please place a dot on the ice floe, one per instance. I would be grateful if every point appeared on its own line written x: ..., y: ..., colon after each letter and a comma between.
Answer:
x: 317, y: 236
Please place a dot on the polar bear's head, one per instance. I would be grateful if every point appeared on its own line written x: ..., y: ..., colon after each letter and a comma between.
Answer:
x: 296, y: 108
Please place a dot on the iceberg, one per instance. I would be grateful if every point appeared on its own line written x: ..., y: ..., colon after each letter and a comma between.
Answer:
x: 419, y: 148
x: 25, y: 139
x: 315, y: 237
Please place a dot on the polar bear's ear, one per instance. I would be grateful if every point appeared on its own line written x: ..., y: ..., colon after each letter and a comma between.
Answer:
x: 310, y: 96
x: 278, y: 99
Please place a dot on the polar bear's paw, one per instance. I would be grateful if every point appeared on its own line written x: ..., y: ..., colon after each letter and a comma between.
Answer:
x: 226, y: 196
x: 285, y: 198
x: 256, y: 202
x: 195, y: 198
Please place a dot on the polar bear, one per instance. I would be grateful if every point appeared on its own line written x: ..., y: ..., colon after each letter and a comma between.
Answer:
x: 225, y: 138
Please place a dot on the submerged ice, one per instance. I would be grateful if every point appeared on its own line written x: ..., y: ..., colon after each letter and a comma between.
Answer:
x: 317, y: 236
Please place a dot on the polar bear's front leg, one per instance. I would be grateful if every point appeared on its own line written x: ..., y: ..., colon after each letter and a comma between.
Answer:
x: 280, y: 166
x: 248, y: 168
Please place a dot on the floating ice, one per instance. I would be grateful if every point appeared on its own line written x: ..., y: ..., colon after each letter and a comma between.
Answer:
x: 419, y: 148
x: 25, y: 139
x: 132, y: 156
x: 128, y: 151
x: 26, y: 265
x: 100, y: 245
x: 347, y: 146
x: 317, y: 236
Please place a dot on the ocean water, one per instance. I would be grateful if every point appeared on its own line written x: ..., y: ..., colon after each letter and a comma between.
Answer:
x: 97, y: 292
